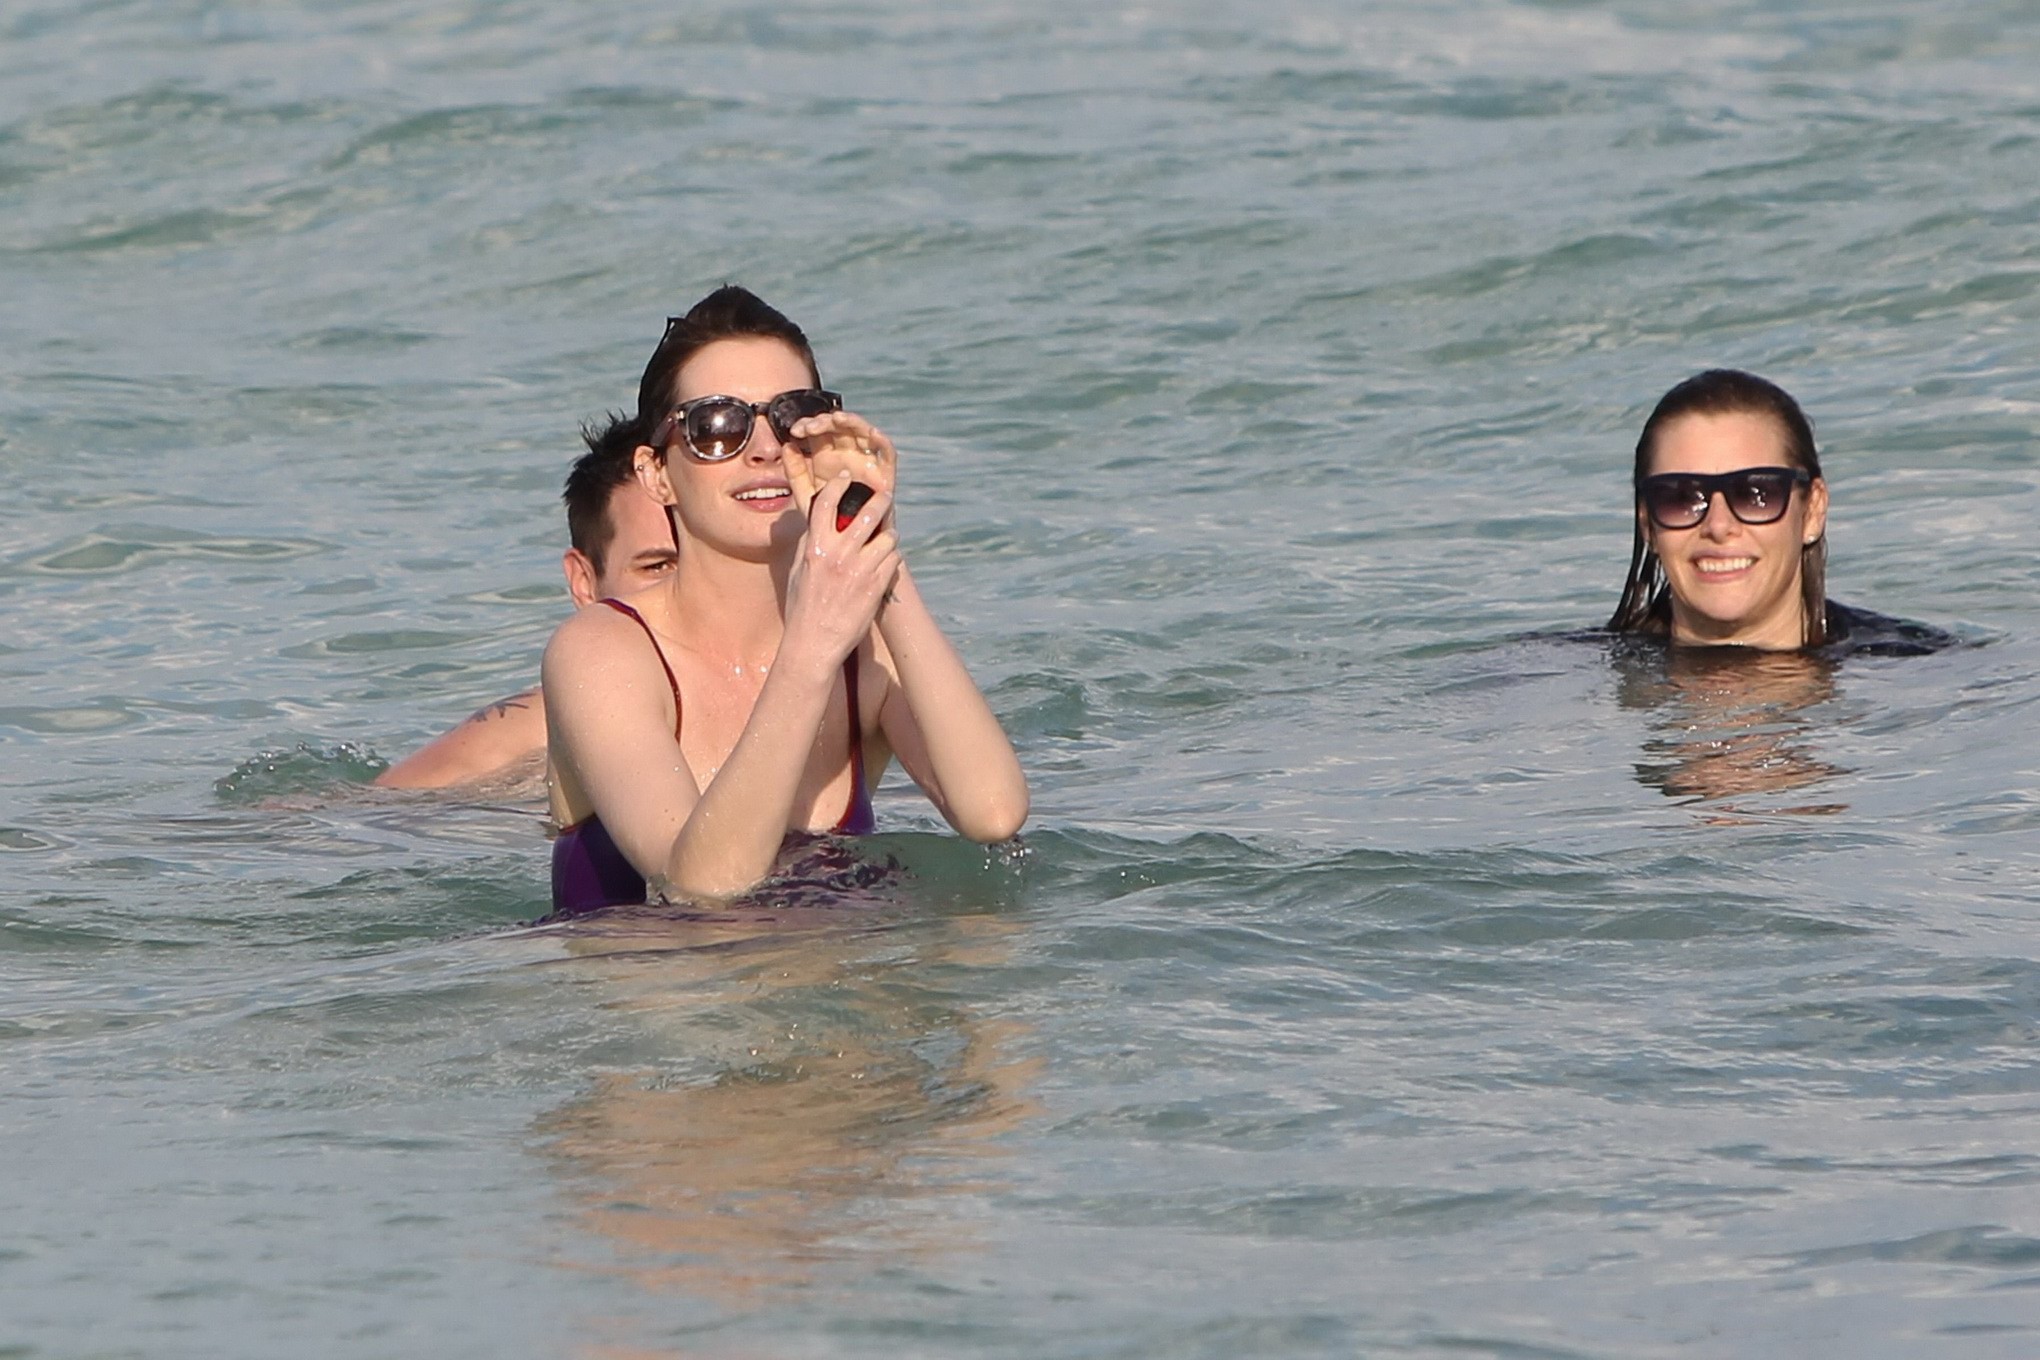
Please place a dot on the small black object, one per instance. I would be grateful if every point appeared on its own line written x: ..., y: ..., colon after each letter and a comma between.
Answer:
x: 854, y: 497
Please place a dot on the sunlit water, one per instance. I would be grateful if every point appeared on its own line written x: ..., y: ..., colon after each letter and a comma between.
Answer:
x: 1377, y: 976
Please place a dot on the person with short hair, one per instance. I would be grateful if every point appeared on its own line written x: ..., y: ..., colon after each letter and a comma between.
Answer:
x: 760, y: 691
x: 621, y: 544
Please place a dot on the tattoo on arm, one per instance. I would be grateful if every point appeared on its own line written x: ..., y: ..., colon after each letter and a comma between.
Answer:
x: 501, y: 708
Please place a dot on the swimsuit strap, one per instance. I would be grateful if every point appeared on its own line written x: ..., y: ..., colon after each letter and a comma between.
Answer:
x: 620, y: 607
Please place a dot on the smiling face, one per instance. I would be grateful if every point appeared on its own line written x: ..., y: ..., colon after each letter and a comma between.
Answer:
x: 1733, y: 583
x: 740, y: 503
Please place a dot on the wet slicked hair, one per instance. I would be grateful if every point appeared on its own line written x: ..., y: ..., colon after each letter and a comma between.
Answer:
x: 729, y: 313
x: 595, y: 475
x: 1646, y: 605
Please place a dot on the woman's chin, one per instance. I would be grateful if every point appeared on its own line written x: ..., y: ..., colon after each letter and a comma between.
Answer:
x: 1720, y: 627
x: 786, y: 532
x: 755, y: 538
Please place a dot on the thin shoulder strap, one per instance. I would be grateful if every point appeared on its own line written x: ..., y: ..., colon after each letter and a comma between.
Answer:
x: 620, y: 607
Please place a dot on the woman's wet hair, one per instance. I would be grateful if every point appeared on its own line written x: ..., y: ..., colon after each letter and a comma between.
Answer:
x: 729, y: 313
x: 1646, y: 605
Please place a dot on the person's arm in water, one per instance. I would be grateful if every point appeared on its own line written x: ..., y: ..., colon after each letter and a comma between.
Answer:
x: 934, y: 716
x: 491, y: 739
x: 937, y: 722
x: 612, y: 724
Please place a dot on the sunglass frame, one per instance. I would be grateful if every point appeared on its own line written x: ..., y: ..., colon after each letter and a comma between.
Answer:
x: 678, y: 421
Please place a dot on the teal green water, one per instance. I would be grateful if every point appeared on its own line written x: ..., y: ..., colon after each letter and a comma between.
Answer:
x: 1375, y: 978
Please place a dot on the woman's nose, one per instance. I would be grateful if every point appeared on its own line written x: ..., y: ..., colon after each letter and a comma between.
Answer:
x: 1719, y: 520
x: 764, y: 442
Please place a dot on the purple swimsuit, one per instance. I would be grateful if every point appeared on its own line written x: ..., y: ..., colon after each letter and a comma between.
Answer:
x: 590, y: 872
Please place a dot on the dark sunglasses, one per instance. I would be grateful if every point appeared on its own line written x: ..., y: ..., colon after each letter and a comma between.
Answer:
x: 1758, y: 495
x: 717, y: 428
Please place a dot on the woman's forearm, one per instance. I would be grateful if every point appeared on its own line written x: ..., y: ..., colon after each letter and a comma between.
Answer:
x: 978, y: 783
x: 732, y: 836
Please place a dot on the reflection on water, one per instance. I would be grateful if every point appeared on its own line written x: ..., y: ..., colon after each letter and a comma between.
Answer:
x: 798, y: 1089
x: 1730, y: 722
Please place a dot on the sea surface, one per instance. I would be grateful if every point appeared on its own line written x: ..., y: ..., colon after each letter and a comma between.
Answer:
x: 1382, y: 973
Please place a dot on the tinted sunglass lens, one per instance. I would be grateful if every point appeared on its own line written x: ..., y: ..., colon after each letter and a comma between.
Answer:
x: 1675, y: 504
x: 788, y: 409
x: 1759, y: 497
x: 718, y: 429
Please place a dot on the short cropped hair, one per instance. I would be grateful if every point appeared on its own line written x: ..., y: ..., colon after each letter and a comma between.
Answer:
x: 594, y: 477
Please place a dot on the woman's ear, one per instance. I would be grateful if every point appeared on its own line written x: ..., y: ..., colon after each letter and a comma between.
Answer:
x: 652, y: 474
x: 1816, y: 512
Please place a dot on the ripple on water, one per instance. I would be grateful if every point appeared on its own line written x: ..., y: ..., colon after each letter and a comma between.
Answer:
x: 105, y: 714
x: 20, y: 839
x: 1326, y: 1212
x: 1986, y: 1246
x: 380, y: 641
x: 361, y: 339
x: 122, y: 551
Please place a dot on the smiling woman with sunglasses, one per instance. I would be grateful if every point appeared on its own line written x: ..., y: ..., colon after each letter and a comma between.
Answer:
x: 762, y: 689
x: 1731, y: 528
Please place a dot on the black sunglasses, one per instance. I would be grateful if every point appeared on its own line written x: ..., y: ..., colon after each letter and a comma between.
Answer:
x: 717, y: 428
x: 1758, y: 495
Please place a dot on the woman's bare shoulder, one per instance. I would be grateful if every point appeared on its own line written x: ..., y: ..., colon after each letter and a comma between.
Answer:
x: 592, y: 640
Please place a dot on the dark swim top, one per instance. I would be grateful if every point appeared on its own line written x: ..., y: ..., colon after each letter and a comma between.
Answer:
x: 1865, y: 632
x: 1851, y: 631
x: 589, y: 871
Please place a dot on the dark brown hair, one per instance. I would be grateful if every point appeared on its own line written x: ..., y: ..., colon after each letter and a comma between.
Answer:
x: 729, y: 313
x: 1646, y: 605
x: 595, y: 475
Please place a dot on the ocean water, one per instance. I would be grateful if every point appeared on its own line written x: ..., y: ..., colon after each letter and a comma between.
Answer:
x: 1381, y: 974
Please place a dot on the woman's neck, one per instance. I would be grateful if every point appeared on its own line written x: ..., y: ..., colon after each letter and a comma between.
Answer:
x: 727, y: 608
x: 1783, y: 631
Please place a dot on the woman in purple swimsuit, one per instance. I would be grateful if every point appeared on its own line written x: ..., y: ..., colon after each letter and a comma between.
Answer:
x: 764, y: 687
